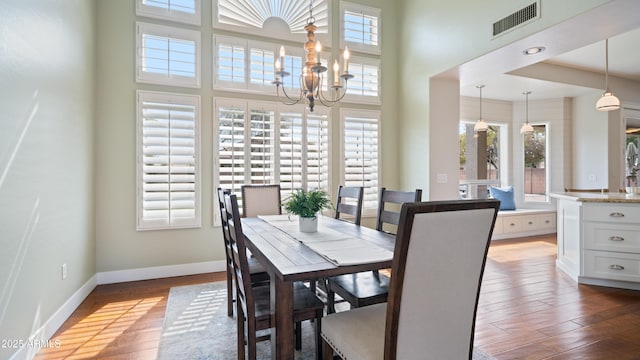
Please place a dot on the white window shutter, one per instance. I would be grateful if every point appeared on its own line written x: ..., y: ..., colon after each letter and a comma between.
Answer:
x: 168, y: 161
x: 360, y: 153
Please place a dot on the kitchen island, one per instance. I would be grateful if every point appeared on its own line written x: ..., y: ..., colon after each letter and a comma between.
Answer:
x: 599, y: 238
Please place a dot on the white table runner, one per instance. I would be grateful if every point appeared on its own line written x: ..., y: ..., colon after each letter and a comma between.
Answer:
x: 338, y: 248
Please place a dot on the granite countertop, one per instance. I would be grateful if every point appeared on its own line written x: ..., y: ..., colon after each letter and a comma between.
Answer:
x: 598, y: 197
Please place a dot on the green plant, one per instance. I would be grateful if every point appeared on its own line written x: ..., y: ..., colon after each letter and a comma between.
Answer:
x: 306, y: 204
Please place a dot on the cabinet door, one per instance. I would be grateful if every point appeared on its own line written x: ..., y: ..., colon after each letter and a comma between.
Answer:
x: 497, y: 229
x: 569, y: 236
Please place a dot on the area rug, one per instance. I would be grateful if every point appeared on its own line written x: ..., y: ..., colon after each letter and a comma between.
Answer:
x: 196, y: 326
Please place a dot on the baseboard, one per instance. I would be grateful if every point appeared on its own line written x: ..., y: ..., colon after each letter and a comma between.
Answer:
x: 40, y: 338
x: 156, y: 272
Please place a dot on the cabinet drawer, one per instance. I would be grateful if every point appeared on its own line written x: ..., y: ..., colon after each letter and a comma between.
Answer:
x: 511, y: 224
x: 612, y: 237
x: 611, y: 265
x: 547, y: 221
x: 613, y: 213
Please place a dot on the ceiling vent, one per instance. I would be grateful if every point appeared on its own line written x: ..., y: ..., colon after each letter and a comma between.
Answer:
x: 518, y: 18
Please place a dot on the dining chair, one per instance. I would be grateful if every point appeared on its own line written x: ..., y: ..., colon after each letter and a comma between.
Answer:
x: 371, y: 287
x: 257, y: 271
x: 356, y: 195
x: 261, y: 200
x: 438, y: 262
x: 253, y: 301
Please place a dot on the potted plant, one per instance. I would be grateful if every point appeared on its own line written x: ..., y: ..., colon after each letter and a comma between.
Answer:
x: 307, y: 204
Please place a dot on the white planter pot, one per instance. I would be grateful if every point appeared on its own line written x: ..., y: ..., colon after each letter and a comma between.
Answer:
x: 308, y: 225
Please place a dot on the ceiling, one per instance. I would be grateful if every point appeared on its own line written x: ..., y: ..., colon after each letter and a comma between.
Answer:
x: 624, y: 62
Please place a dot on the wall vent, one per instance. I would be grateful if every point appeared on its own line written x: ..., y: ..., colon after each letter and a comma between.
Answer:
x: 517, y: 18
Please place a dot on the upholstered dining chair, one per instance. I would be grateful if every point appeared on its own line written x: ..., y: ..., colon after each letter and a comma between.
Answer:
x: 253, y: 301
x: 371, y: 287
x: 438, y: 262
x: 261, y: 200
x: 356, y: 195
x: 257, y: 271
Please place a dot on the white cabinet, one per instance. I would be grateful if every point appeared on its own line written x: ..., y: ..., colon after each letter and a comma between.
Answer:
x: 524, y: 222
x: 599, y: 242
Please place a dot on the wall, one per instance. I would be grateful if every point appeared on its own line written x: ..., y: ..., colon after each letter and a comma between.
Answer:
x: 46, y: 162
x: 590, y: 147
x: 438, y: 36
x: 121, y: 249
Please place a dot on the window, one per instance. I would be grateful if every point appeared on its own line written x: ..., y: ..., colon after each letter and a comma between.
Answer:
x: 187, y: 11
x: 167, y: 55
x: 360, y: 151
x: 535, y: 165
x: 274, y: 19
x: 364, y: 87
x: 250, y: 65
x: 168, y: 169
x: 360, y: 27
x: 261, y: 143
x: 482, y: 159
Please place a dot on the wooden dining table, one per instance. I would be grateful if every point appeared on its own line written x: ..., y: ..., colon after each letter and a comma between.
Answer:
x: 287, y: 260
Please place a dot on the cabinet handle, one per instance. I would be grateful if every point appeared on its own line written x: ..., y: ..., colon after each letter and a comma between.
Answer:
x: 616, y: 238
x: 530, y: 222
x: 616, y: 214
x: 512, y: 224
x: 616, y: 267
x: 547, y: 221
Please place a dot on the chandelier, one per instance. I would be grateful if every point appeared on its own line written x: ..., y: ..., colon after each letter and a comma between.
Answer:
x: 312, y: 75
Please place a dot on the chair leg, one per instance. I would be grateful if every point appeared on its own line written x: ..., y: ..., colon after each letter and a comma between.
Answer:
x: 327, y: 351
x: 318, y: 342
x: 331, y: 300
x: 251, y: 341
x: 241, y: 331
x: 298, y: 335
x: 229, y: 293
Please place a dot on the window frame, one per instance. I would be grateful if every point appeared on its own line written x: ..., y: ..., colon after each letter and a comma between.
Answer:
x: 366, y: 11
x: 361, y: 113
x: 168, y: 32
x: 172, y: 15
x: 169, y: 98
x: 547, y: 165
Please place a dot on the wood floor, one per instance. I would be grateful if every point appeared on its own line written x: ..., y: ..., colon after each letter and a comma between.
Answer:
x: 527, y: 310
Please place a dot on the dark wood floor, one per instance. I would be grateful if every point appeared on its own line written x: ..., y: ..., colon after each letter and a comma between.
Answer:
x: 528, y: 310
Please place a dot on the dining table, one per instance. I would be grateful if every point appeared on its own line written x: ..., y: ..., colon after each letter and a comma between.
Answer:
x: 289, y: 255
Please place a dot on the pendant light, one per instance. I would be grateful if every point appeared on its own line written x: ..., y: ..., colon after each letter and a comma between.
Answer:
x: 526, y: 127
x: 608, y: 101
x: 480, y: 125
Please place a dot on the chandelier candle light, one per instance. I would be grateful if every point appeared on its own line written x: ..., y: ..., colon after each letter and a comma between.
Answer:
x: 313, y: 71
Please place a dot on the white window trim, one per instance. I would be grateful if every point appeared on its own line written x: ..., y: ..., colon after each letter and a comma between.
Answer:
x: 141, y: 96
x: 377, y: 114
x: 371, y: 11
x: 547, y: 166
x: 172, y: 15
x: 361, y: 99
x: 174, y: 33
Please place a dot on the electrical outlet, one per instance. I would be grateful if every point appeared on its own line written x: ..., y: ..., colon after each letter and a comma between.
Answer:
x: 442, y: 178
x: 592, y: 178
x: 64, y: 271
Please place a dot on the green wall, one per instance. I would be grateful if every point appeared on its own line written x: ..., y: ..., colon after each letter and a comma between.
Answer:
x: 46, y: 159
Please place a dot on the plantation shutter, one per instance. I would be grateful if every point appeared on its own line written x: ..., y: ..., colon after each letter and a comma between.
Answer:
x: 291, y: 145
x: 365, y: 81
x: 262, y: 146
x: 261, y: 68
x: 317, y: 150
x: 230, y: 62
x: 168, y: 164
x: 361, y: 156
x: 360, y: 28
x: 231, y: 143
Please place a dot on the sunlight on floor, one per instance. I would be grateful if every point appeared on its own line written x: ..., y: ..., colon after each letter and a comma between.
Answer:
x: 199, y: 313
x: 521, y: 250
x: 91, y: 335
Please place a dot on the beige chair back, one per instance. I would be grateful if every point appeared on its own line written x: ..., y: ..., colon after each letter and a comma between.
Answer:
x: 438, y: 263
x: 261, y: 200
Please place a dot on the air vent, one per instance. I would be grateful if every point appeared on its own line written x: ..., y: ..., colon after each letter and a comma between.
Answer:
x: 517, y: 18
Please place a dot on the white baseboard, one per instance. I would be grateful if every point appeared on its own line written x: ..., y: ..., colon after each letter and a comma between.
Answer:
x: 156, y: 272
x: 40, y: 337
